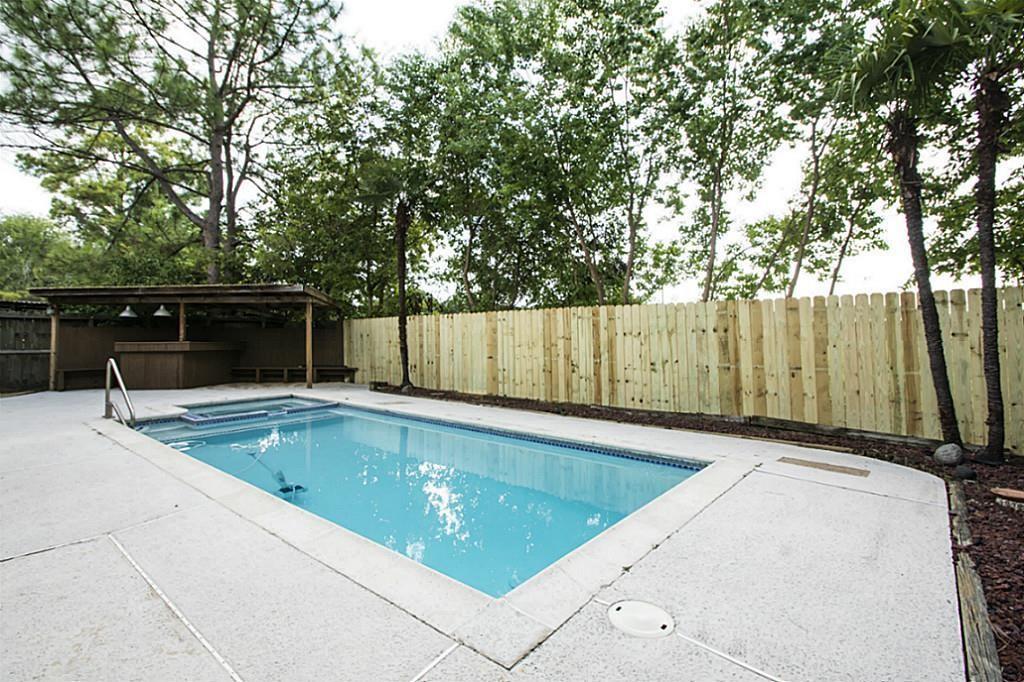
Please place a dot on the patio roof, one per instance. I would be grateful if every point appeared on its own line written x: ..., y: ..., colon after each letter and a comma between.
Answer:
x: 204, y: 294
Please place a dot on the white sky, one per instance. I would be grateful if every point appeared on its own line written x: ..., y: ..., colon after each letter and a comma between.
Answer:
x: 395, y: 26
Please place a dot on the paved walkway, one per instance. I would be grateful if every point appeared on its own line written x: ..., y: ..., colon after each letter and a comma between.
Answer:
x: 112, y: 568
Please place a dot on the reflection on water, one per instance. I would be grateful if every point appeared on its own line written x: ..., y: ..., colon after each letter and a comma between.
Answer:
x: 445, y: 502
x: 489, y: 511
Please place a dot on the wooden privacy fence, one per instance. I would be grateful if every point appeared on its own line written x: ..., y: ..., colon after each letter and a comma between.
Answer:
x: 852, y: 361
x: 24, y: 347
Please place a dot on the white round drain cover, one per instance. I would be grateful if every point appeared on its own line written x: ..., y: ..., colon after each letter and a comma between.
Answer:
x: 640, y: 619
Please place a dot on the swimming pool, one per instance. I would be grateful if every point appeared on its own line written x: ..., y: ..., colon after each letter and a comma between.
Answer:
x: 486, y: 508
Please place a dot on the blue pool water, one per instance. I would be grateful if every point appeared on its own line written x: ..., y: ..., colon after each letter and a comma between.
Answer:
x: 486, y: 509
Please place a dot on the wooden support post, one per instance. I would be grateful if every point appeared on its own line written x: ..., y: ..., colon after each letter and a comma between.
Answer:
x: 54, y: 345
x: 181, y: 321
x: 309, y: 344
x: 341, y: 339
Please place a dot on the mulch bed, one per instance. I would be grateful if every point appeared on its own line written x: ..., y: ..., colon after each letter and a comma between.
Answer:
x: 998, y: 531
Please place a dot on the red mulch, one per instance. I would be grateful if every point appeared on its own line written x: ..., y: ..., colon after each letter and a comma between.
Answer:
x: 998, y: 531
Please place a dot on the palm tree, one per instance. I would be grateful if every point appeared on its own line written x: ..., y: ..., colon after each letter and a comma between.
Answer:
x: 985, y: 42
x: 996, y: 50
x: 901, y: 73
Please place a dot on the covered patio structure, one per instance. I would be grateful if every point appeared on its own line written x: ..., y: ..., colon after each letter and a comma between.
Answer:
x: 251, y: 341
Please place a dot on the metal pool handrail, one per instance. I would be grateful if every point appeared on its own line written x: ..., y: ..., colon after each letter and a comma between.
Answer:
x: 109, y: 408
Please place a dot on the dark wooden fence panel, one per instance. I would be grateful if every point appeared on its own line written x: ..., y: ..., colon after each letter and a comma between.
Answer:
x: 24, y: 350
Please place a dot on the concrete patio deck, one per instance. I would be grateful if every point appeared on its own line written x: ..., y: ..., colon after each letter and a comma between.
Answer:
x: 113, y: 567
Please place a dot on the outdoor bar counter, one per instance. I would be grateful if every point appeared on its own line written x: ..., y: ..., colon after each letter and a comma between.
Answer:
x: 176, y: 364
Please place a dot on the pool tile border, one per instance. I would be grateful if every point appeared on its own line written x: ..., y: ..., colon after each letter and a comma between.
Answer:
x: 678, y: 462
x: 251, y: 415
x: 636, y: 455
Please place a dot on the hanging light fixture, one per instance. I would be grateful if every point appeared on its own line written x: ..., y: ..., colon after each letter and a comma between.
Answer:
x: 127, y: 312
x: 162, y: 312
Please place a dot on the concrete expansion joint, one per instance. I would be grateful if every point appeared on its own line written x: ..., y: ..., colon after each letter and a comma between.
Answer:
x: 176, y: 611
x: 434, y: 663
x: 853, y: 490
x: 91, y: 538
x: 713, y: 650
x: 730, y: 659
x: 51, y: 548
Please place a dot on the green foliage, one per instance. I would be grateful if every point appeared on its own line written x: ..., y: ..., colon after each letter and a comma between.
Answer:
x: 204, y: 78
x: 772, y: 67
x: 993, y: 48
x: 954, y: 249
x: 130, y: 231
x: 733, y: 124
x: 909, y: 59
x: 533, y: 149
x: 34, y: 253
x: 329, y: 220
x: 559, y: 124
x: 949, y: 191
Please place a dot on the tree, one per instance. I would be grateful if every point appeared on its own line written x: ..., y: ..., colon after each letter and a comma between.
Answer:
x: 508, y: 243
x: 833, y: 217
x: 129, y: 231
x: 995, y: 51
x: 402, y: 220
x: 982, y: 43
x: 34, y: 253
x: 732, y: 126
x: 206, y: 76
x: 616, y: 65
x: 954, y: 248
x: 320, y: 222
x: 855, y: 181
x: 558, y: 124
x: 403, y: 176
x: 900, y: 72
x: 833, y: 213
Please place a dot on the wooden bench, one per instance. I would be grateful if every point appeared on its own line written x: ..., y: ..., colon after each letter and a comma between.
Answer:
x: 80, y: 377
x: 278, y: 375
x: 334, y: 373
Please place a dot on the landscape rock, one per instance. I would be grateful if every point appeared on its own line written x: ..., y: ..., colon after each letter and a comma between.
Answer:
x: 949, y: 454
x: 965, y: 473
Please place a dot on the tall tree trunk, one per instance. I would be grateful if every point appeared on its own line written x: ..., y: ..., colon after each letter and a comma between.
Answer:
x: 725, y: 146
x: 903, y: 147
x: 402, y: 219
x: 632, y: 221
x: 716, y: 217
x: 844, y: 249
x: 588, y: 258
x: 466, y: 259
x: 992, y: 103
x: 211, y: 225
x: 588, y: 255
x: 812, y: 200
x: 230, y: 211
x: 579, y: 232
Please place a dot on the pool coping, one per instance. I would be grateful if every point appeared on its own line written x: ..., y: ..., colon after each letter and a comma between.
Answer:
x: 503, y: 629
